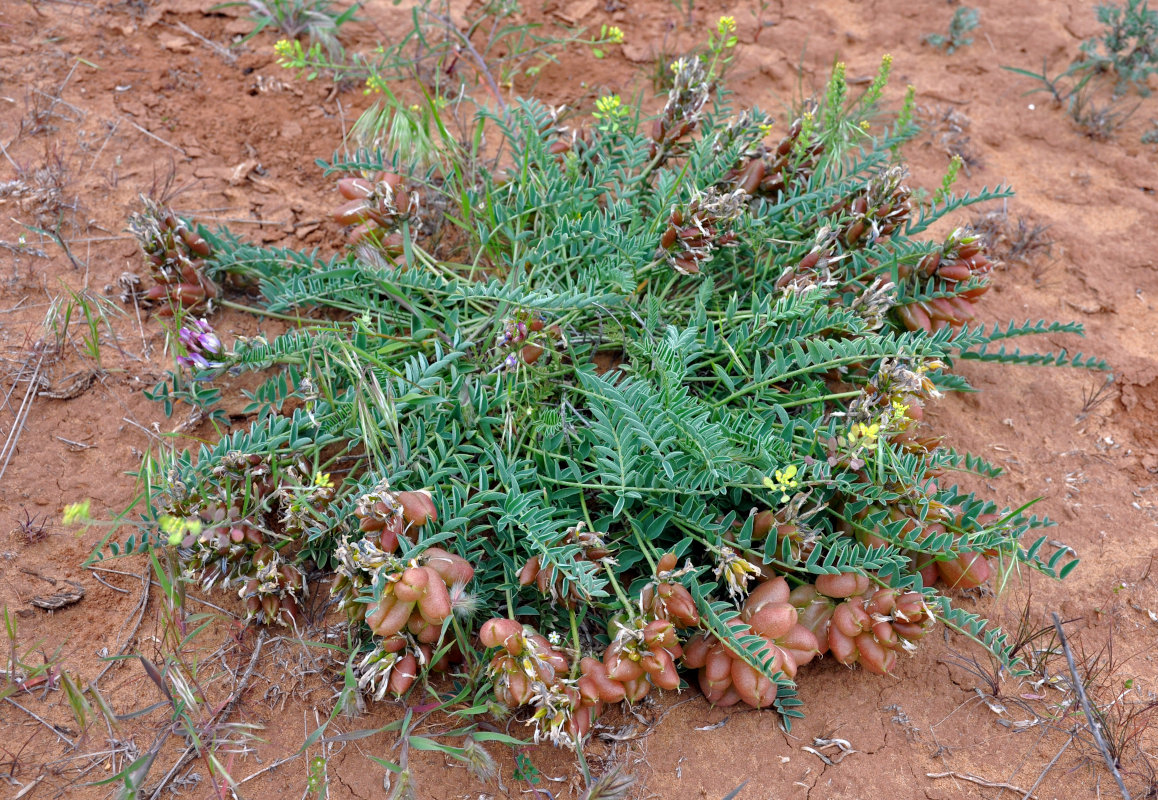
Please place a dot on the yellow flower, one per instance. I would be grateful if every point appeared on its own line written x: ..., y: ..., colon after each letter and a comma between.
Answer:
x: 177, y: 527
x: 726, y: 25
x: 607, y: 106
x: 284, y: 48
x: 323, y: 480
x: 864, y: 433
x: 615, y: 34
x: 77, y: 512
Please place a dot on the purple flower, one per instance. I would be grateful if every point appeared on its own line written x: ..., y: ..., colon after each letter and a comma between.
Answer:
x: 202, y: 345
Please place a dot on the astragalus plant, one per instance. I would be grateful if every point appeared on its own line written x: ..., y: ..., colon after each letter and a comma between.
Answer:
x: 640, y: 406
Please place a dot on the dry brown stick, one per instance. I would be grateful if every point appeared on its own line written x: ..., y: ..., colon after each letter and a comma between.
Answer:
x: 191, y: 752
x: 270, y: 768
x: 1048, y: 767
x: 46, y: 724
x: 1095, y: 728
x: 965, y: 776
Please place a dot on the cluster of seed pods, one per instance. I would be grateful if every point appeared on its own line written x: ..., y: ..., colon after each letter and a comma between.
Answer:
x: 697, y: 230
x: 725, y: 677
x: 961, y: 258
x: 665, y: 599
x: 417, y: 598
x: 376, y: 208
x: 175, y: 254
x: 682, y: 112
x: 859, y: 624
x: 388, y: 514
x: 769, y: 171
x: 528, y: 670
x: 875, y: 211
x: 231, y: 547
x: 962, y: 571
x: 591, y: 548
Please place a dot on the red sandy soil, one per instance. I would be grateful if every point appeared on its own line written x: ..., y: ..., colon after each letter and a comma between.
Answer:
x: 108, y: 96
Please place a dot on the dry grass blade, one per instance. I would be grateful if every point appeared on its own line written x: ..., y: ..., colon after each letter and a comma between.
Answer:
x: 21, y: 416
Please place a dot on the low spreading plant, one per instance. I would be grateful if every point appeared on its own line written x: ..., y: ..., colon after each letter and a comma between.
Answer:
x: 1128, y: 45
x: 648, y: 396
x: 964, y: 21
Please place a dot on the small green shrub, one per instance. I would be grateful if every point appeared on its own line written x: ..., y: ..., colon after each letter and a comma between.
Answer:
x: 1128, y: 46
x: 964, y: 21
x: 658, y: 401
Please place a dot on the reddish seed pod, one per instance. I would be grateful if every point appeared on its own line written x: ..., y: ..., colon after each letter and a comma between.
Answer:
x: 412, y: 586
x: 955, y: 272
x: 850, y: 619
x: 773, y: 591
x: 661, y: 668
x: 801, y: 644
x: 660, y: 633
x: 619, y: 666
x: 390, y: 617
x: 355, y: 188
x: 435, y: 604
x: 636, y: 689
x: 530, y: 571
x: 843, y: 648
x: 696, y: 651
x: 352, y: 213
x: 873, y: 656
x: 606, y: 689
x: 762, y: 525
x: 403, y: 675
x: 773, y: 620
x: 530, y: 353
x: 417, y: 508
x: 967, y: 571
x: 502, y: 632
x: 844, y: 584
x: 450, y: 567
x: 667, y: 562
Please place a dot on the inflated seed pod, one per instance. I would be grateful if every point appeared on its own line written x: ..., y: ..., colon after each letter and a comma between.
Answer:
x: 801, y: 644
x: 530, y: 572
x: 661, y: 669
x: 773, y: 620
x: 843, y: 648
x: 845, y: 584
x: 412, y: 586
x: 753, y: 686
x: 620, y: 667
x: 599, y: 686
x: 874, y: 656
x: 434, y: 605
x: 417, y: 508
x: 696, y: 651
x: 667, y: 562
x: 660, y: 633
x: 452, y: 568
x: 637, y: 688
x: 502, y: 632
x: 390, y: 616
x: 851, y: 619
x: 772, y: 591
x: 967, y: 571
x: 402, y: 675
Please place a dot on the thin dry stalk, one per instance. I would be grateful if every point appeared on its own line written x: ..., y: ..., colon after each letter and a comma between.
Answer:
x: 1095, y: 728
